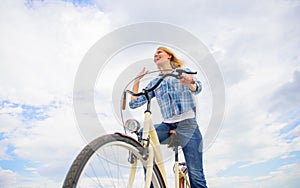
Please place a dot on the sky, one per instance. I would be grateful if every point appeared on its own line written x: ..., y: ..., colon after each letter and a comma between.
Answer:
x: 255, y: 44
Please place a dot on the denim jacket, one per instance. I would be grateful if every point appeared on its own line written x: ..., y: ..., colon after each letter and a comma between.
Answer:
x: 173, y: 97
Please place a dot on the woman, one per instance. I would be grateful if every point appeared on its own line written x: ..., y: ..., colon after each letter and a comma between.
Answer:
x: 178, y: 109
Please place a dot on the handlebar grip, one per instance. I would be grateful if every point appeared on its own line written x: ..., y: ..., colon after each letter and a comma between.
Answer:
x: 124, y: 101
x: 191, y: 72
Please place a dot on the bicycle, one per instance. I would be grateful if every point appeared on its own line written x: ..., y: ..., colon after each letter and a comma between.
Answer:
x: 125, y: 161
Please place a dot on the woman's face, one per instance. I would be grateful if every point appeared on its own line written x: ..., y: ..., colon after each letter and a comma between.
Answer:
x: 161, y: 56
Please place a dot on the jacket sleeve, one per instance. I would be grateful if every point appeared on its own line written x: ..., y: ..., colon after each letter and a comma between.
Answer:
x: 198, y: 82
x: 199, y: 86
x: 137, y: 102
x: 141, y: 100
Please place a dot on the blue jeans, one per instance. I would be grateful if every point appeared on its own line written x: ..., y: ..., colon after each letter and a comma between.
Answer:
x: 190, y: 140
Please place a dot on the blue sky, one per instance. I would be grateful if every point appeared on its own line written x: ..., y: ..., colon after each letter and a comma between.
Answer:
x: 255, y: 43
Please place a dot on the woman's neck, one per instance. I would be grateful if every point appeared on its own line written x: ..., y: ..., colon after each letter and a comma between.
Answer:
x: 165, y: 67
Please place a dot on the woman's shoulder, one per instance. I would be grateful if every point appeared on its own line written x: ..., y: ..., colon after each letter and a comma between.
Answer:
x: 153, y: 81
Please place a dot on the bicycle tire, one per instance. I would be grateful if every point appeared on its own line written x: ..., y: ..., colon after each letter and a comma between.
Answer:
x: 98, y: 149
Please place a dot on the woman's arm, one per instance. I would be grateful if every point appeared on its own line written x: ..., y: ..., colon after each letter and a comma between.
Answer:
x: 136, y: 84
x: 191, y: 82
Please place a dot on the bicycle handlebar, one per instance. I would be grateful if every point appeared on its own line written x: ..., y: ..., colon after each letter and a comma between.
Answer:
x: 177, y: 73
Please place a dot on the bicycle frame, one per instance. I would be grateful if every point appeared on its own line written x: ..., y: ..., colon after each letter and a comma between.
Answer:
x: 154, y: 152
x: 150, y: 132
x: 152, y: 144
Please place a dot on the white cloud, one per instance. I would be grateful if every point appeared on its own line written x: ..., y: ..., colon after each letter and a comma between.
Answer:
x: 7, y: 178
x: 255, y: 43
x: 287, y: 94
x: 3, y: 150
x: 42, y: 47
x: 287, y: 175
x: 50, y: 144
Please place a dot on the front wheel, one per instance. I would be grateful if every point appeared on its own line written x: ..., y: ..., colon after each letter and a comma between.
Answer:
x: 107, y: 162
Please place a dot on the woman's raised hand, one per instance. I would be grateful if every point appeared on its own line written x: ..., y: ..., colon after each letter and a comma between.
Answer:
x: 142, y: 74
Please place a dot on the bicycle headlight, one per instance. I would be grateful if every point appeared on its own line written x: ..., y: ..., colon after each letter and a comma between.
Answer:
x: 132, y: 125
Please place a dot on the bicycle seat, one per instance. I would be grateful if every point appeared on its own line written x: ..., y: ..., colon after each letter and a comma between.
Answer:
x: 174, y: 141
